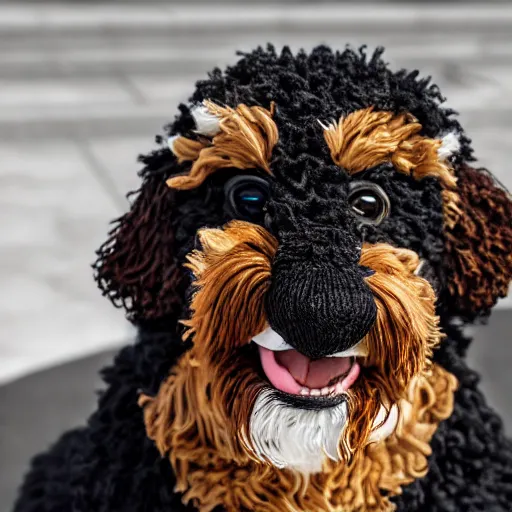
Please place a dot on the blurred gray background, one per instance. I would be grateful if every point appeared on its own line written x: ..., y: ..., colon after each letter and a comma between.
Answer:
x: 84, y: 87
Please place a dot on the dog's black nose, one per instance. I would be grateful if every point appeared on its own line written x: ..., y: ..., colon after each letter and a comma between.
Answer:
x: 319, y: 308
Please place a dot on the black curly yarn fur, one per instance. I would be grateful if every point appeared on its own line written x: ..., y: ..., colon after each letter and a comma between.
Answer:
x: 109, y: 465
x: 322, y: 85
x: 471, y: 463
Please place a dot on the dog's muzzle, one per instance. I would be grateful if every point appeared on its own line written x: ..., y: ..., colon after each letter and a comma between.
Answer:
x: 319, y: 308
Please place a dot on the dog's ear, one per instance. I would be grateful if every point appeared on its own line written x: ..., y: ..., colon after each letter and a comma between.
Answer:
x: 136, y: 267
x: 479, y: 245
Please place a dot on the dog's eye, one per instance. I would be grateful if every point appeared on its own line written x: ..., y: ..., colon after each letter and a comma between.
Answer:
x: 245, y: 197
x: 369, y: 203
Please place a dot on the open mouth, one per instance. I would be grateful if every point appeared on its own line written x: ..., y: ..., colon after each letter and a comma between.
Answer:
x: 294, y: 373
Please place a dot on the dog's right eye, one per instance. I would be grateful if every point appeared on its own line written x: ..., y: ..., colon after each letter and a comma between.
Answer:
x: 369, y: 203
x: 246, y: 197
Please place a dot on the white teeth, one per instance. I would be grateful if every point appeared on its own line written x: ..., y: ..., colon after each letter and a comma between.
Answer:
x: 327, y: 390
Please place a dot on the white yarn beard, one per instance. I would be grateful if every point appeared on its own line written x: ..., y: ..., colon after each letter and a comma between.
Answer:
x: 301, y: 439
x: 293, y: 437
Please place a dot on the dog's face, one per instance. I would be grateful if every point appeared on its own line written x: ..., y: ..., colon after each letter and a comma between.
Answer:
x: 309, y: 241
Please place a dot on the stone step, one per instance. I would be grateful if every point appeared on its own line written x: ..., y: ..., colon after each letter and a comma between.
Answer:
x: 157, y: 56
x: 127, y: 119
x: 142, y: 104
x: 412, y: 18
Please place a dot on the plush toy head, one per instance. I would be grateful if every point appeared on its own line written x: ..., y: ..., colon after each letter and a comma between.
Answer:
x: 309, y: 219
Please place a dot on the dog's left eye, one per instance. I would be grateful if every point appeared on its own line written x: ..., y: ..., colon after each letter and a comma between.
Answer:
x: 369, y: 203
x: 245, y: 197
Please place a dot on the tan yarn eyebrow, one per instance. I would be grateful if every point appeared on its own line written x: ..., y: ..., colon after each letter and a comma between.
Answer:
x: 246, y: 139
x: 366, y: 138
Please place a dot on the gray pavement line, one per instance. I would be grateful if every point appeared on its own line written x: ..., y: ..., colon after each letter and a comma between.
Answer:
x: 57, y: 15
x: 129, y: 85
x: 101, y: 175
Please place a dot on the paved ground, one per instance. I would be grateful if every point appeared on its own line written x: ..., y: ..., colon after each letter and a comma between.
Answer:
x: 84, y: 88
x: 38, y: 408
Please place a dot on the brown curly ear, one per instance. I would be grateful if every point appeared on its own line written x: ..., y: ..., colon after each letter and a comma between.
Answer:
x: 136, y: 267
x: 479, y: 245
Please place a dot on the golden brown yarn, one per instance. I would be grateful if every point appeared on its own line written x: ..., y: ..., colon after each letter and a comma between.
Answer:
x: 402, y: 457
x: 400, y: 342
x: 200, y: 416
x: 246, y: 139
x: 200, y: 450
x: 359, y: 141
x: 366, y: 138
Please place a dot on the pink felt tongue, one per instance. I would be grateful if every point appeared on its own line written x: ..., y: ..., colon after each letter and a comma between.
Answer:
x: 278, y: 375
x: 313, y: 374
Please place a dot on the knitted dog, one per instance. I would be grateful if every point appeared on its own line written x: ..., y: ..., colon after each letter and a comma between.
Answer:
x: 299, y: 261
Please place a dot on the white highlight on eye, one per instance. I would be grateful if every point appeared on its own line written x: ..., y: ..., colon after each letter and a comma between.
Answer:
x: 206, y: 123
x: 449, y: 146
